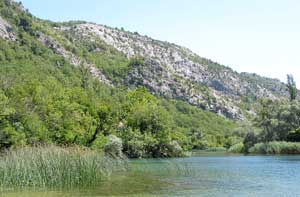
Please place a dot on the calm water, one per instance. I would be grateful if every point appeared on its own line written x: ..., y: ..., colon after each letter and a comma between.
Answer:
x: 204, y: 175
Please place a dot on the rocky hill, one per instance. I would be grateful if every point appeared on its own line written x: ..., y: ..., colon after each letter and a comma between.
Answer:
x: 166, y: 69
x: 176, y: 72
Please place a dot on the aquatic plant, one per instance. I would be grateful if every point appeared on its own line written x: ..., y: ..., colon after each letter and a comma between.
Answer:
x: 163, y: 167
x: 53, y: 166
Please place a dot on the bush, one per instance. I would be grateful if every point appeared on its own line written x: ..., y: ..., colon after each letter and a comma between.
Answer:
x: 237, y: 148
x: 276, y: 147
x: 134, y: 145
x: 249, y: 141
x: 175, y: 150
x: 100, y: 142
x: 278, y: 120
x: 114, y: 146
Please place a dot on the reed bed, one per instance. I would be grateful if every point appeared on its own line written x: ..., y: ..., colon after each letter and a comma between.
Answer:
x: 53, y: 166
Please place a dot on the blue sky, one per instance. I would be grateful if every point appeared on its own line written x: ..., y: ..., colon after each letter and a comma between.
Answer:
x: 261, y: 36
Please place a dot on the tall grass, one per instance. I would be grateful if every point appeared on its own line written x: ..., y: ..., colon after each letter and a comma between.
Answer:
x: 276, y: 148
x: 55, y: 167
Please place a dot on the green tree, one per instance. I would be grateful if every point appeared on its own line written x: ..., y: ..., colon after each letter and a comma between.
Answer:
x: 148, y: 126
x: 266, y: 120
x: 250, y: 140
x: 291, y: 85
x: 10, y: 134
x: 278, y: 120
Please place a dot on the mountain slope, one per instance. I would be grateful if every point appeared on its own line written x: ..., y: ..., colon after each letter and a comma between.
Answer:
x: 60, y: 87
x: 167, y: 69
x: 77, y: 83
x: 176, y: 72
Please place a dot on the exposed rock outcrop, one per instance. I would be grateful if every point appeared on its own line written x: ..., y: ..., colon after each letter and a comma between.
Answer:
x: 6, y: 31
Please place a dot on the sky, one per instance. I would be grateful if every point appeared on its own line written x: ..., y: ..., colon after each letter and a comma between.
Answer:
x: 259, y: 36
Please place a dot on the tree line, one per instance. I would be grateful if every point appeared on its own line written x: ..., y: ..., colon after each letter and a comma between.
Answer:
x: 277, y: 120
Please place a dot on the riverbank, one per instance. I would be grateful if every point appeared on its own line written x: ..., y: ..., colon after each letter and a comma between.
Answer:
x: 214, y: 175
x: 78, y: 167
x: 275, y: 147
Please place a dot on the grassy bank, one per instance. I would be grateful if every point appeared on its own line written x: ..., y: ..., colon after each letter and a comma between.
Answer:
x: 55, y: 167
x: 276, y: 147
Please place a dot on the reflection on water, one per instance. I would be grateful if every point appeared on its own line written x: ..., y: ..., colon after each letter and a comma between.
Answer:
x: 207, y: 175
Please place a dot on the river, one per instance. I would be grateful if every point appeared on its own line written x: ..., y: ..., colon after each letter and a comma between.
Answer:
x: 200, y: 175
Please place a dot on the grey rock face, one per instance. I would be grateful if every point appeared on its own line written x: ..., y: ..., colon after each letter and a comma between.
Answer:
x: 6, y: 31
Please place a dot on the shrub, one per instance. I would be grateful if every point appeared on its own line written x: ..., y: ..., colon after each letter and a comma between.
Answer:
x: 249, y: 141
x: 134, y: 145
x: 100, y: 142
x: 276, y: 147
x: 114, y: 146
x: 237, y: 148
x: 175, y: 150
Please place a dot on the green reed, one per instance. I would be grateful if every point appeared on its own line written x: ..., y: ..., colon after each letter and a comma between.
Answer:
x: 53, y: 166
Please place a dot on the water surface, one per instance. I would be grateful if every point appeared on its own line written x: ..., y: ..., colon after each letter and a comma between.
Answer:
x: 202, y: 175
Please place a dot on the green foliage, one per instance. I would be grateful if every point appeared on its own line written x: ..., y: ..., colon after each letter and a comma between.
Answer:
x: 147, y: 126
x: 114, y: 66
x: 114, y: 146
x: 204, y: 129
x: 291, y: 85
x: 111, y: 62
x: 9, y: 135
x: 237, y: 148
x: 276, y: 147
x: 46, y: 100
x: 43, y: 102
x: 250, y: 140
x: 54, y: 167
x: 137, y: 62
x: 278, y: 120
x: 100, y: 142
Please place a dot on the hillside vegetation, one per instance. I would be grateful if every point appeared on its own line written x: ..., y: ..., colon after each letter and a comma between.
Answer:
x: 79, y: 83
x: 47, y: 97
